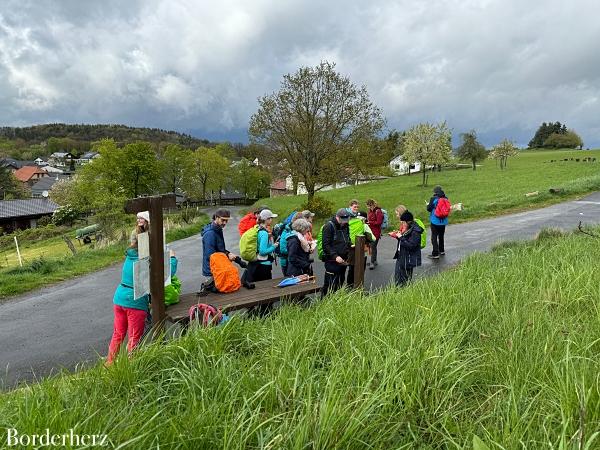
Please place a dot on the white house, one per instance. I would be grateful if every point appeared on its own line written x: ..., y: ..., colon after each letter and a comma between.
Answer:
x: 401, y: 167
x: 88, y: 157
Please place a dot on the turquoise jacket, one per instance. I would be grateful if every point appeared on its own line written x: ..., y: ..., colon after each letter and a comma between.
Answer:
x: 265, y: 248
x: 124, y: 293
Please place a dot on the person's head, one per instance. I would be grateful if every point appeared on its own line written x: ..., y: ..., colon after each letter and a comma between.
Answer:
x: 301, y: 225
x: 266, y: 217
x: 306, y: 214
x: 371, y: 204
x: 342, y: 216
x: 354, y: 205
x: 258, y: 210
x: 399, y: 210
x: 438, y: 190
x: 221, y: 217
x: 407, y: 217
x: 142, y: 223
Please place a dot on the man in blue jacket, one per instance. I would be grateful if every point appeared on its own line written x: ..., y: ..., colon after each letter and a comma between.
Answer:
x: 212, y: 242
x: 438, y: 225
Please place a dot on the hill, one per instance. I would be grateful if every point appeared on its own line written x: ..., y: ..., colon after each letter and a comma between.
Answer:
x: 90, y: 133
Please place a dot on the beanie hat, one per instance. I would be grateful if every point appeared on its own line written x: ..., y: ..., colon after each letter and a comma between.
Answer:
x: 438, y: 190
x: 144, y: 215
x: 406, y: 216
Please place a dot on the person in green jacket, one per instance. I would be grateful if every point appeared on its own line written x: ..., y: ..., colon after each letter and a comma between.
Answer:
x: 129, y: 312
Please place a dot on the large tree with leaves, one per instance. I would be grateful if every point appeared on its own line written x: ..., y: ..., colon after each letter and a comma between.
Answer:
x: 208, y: 171
x: 10, y: 187
x: 471, y: 149
x: 428, y: 144
x: 174, y: 163
x: 314, y: 118
x: 503, y: 151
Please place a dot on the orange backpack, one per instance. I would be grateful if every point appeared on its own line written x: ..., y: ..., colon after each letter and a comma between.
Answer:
x: 226, y: 276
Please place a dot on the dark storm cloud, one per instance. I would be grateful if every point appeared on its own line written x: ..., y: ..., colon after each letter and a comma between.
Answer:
x: 500, y: 67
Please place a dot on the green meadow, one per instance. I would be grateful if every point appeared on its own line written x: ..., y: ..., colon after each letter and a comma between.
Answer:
x: 500, y: 353
x: 484, y: 192
x: 50, y: 261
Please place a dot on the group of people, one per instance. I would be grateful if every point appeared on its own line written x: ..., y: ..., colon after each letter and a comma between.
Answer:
x: 294, y: 245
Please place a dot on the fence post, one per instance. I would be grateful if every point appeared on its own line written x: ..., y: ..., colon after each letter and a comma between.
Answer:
x: 18, y: 252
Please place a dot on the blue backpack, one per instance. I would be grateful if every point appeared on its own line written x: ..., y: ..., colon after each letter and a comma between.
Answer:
x: 385, y: 222
x: 278, y: 229
x: 282, y: 249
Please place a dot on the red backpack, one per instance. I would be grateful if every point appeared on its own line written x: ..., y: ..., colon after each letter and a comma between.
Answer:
x: 442, y: 209
x: 205, y: 315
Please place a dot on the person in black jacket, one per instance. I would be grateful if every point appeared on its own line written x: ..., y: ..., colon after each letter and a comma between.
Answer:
x: 299, y: 249
x: 408, y: 254
x: 336, y: 247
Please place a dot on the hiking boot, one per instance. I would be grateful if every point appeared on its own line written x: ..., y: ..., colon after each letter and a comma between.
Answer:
x: 433, y: 256
x: 248, y: 285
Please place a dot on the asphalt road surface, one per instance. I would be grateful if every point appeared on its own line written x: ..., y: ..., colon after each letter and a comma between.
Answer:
x: 70, y: 323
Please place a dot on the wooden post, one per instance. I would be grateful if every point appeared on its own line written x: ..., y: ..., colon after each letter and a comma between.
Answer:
x: 18, y: 252
x: 154, y: 205
x: 359, y: 262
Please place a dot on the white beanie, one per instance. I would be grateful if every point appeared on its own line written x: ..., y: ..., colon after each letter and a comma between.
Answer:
x: 144, y: 215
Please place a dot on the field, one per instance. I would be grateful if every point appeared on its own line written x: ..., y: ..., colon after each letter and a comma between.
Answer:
x: 500, y: 353
x: 50, y: 260
x: 485, y: 192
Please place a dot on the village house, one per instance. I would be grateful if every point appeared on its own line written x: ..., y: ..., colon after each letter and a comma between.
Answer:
x: 23, y: 214
x: 61, y: 159
x: 29, y: 175
x: 401, y: 167
x: 87, y: 157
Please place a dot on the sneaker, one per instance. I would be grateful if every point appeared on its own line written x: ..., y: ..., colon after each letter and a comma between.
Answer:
x: 433, y: 256
x: 442, y: 253
x: 371, y: 266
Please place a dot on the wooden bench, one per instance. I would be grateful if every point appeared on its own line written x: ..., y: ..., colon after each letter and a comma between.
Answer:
x: 266, y: 292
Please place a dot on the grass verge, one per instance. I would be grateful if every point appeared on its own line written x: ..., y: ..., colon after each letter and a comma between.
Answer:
x: 502, y: 351
x: 44, y: 271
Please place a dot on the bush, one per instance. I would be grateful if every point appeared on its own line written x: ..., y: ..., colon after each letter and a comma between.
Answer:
x: 31, y: 235
x: 322, y: 207
x: 65, y: 215
x: 188, y: 215
x: 44, y: 221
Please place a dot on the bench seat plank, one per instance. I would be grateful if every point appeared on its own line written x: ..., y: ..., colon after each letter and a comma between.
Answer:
x: 265, y: 292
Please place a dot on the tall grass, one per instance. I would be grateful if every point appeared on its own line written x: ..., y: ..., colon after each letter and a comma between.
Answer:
x: 502, y: 351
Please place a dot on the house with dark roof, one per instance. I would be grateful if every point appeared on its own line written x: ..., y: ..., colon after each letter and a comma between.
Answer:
x: 87, y: 157
x: 30, y: 174
x: 14, y: 164
x: 45, y: 185
x: 23, y: 214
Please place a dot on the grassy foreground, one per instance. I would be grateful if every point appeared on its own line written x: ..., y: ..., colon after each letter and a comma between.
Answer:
x: 484, y: 192
x: 62, y: 265
x: 502, y: 352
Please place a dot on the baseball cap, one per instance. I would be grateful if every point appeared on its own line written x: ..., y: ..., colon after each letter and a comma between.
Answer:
x: 343, y: 215
x: 266, y: 214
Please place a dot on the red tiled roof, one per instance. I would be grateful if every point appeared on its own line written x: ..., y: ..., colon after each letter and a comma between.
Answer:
x: 25, y: 174
x: 278, y: 184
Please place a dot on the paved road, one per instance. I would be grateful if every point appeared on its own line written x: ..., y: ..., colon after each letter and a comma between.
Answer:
x: 71, y: 322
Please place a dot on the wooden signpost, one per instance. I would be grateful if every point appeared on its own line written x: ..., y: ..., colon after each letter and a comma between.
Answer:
x: 359, y: 262
x: 155, y: 207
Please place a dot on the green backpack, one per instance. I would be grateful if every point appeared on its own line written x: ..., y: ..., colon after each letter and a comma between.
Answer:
x: 249, y: 244
x: 320, y: 253
x: 423, y: 234
x: 356, y: 228
x: 172, y: 291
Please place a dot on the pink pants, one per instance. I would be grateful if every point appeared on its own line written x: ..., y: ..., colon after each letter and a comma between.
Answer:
x: 127, y: 321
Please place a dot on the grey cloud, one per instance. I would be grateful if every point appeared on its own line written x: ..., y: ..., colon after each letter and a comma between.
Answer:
x: 500, y: 67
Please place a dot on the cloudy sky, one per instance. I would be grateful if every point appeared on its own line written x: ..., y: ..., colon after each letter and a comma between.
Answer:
x: 500, y: 67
